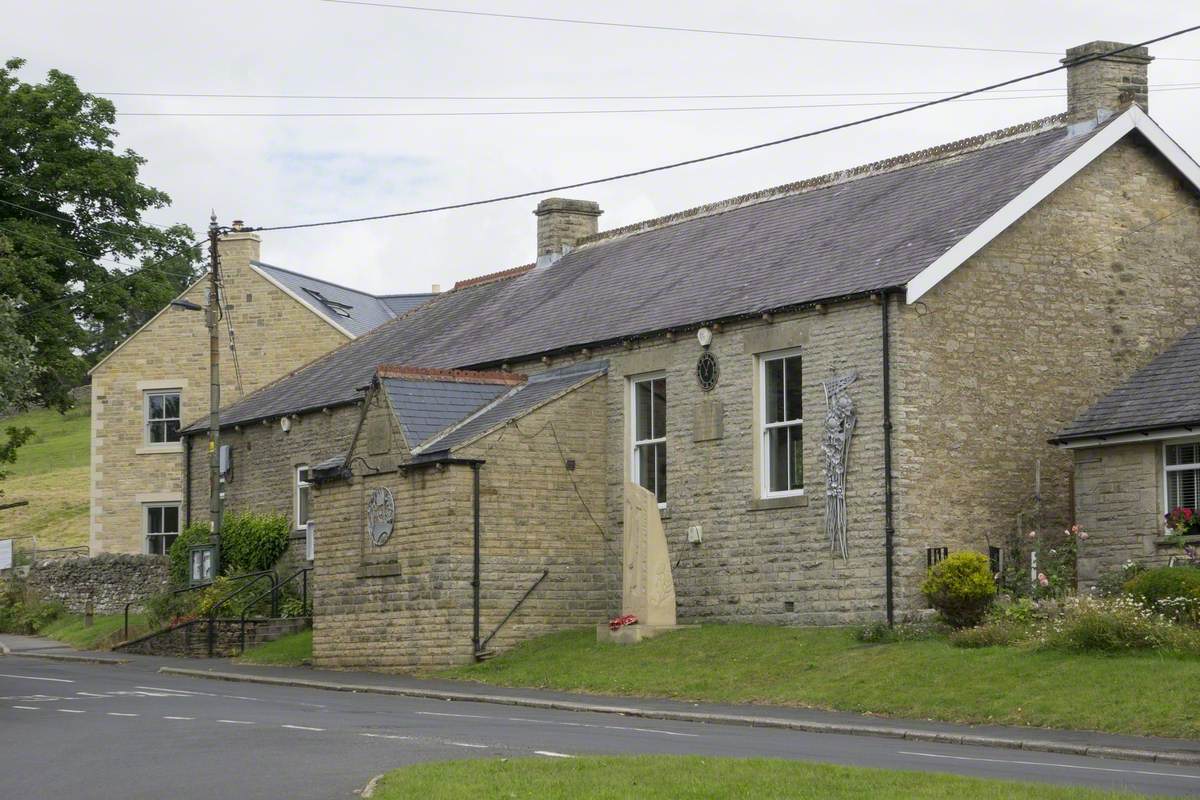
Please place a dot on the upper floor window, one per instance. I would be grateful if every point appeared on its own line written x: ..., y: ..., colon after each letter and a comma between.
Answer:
x: 162, y: 527
x: 303, y: 489
x: 162, y: 416
x: 1182, y: 465
x: 649, y: 406
x: 781, y: 423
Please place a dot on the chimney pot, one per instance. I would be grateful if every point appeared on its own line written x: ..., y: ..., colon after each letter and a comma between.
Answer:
x: 437, y: 288
x: 237, y: 224
x: 563, y: 222
x: 1110, y: 84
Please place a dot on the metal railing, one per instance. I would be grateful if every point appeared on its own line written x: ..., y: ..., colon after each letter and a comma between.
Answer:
x: 173, y: 593
x: 301, y: 573
x: 254, y: 578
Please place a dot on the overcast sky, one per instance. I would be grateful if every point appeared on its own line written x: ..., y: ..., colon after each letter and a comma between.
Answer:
x: 271, y: 171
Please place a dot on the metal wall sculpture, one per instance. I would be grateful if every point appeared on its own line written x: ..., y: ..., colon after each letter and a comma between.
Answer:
x: 840, y: 419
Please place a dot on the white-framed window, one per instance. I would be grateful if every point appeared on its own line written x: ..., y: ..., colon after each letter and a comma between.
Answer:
x: 648, y: 406
x: 781, y: 423
x: 162, y: 527
x: 303, y: 494
x: 1181, y: 466
x: 161, y: 412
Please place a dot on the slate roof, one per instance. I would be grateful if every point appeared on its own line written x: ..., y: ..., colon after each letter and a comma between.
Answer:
x: 539, y: 389
x: 1163, y: 394
x: 836, y: 236
x: 426, y: 407
x: 354, y: 310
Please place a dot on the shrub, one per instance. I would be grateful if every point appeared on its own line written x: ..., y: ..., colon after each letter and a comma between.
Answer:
x: 194, y: 534
x: 1112, y: 584
x: 253, y: 542
x: 1173, y: 592
x: 961, y: 588
x: 1022, y: 611
x: 23, y: 611
x: 991, y: 634
x: 1116, y: 624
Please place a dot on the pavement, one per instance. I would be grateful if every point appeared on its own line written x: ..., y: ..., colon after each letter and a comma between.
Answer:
x: 134, y: 726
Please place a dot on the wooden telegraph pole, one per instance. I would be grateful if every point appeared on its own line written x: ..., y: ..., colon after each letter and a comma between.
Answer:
x: 212, y: 317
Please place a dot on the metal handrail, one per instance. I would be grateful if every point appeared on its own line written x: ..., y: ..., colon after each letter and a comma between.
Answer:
x: 212, y: 612
x: 173, y: 592
x: 274, y: 592
x: 508, y: 616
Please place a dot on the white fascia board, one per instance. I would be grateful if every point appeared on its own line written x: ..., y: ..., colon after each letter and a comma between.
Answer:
x: 266, y: 276
x: 1129, y: 438
x: 1132, y: 119
x: 147, y: 323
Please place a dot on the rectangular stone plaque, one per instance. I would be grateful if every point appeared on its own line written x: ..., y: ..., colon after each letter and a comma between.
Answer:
x: 709, y: 423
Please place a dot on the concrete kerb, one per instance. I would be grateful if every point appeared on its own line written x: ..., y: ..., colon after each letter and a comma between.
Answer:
x: 70, y: 657
x: 1039, y: 745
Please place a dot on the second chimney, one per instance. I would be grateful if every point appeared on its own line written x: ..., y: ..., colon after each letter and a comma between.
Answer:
x: 1109, y: 84
x: 562, y: 222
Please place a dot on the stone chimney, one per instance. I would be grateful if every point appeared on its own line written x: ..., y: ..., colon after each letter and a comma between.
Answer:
x: 1105, y: 86
x: 561, y: 223
x: 239, y: 247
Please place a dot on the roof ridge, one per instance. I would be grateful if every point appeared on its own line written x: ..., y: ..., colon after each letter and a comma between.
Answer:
x: 891, y: 164
x: 402, y: 371
x: 315, y: 278
x: 492, y: 277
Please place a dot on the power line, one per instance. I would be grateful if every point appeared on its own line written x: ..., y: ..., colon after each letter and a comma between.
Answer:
x: 728, y: 153
x: 545, y: 112
x: 708, y: 31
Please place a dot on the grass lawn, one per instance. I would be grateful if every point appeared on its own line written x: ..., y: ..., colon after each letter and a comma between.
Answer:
x: 683, y: 777
x: 286, y: 651
x: 106, y: 630
x: 828, y: 668
x: 51, y: 472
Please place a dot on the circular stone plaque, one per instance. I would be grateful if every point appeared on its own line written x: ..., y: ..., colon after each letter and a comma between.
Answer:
x: 381, y: 515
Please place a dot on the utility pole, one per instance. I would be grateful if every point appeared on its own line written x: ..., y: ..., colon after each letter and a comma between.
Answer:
x: 212, y: 313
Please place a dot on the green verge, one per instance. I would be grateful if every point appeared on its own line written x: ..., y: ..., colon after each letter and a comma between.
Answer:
x: 828, y: 668
x: 292, y: 650
x: 51, y: 472
x: 685, y: 777
x: 105, y: 631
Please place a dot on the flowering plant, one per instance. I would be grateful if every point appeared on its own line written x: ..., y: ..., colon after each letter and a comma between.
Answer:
x: 1183, y: 521
x: 616, y: 623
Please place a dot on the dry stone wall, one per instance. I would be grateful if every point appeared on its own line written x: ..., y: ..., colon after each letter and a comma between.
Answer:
x: 108, y: 581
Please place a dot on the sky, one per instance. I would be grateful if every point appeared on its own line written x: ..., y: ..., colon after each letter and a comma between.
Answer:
x: 281, y: 170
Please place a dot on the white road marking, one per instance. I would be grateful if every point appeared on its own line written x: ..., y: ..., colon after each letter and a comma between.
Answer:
x: 35, y: 678
x: 90, y: 694
x: 235, y: 722
x: 240, y: 697
x: 383, y: 736
x: 591, y: 725
x: 464, y: 716
x: 551, y: 754
x: 72, y: 711
x: 28, y: 708
x: 301, y: 728
x: 1051, y: 764
x: 468, y: 744
x: 119, y: 714
x: 183, y: 718
x: 173, y: 691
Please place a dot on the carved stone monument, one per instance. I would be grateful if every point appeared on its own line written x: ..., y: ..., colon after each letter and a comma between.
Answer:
x: 647, y: 588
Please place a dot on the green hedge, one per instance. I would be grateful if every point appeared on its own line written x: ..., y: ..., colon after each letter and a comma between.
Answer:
x: 249, y: 543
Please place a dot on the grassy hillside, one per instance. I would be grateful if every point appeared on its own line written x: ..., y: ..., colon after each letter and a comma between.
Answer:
x: 51, y: 472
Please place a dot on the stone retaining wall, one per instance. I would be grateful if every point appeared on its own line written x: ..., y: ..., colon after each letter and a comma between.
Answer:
x: 108, y: 580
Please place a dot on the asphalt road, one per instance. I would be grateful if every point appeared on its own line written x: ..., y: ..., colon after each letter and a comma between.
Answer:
x: 79, y: 730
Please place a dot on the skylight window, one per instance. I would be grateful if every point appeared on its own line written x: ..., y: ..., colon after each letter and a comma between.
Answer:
x: 340, y: 309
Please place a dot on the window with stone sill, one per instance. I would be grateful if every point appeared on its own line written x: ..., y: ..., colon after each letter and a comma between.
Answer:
x: 648, y: 404
x: 161, y: 412
x: 1181, y: 468
x: 162, y: 527
x: 781, y: 423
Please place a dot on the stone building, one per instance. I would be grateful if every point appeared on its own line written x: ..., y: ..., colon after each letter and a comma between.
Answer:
x: 158, y: 378
x: 1137, y: 457
x: 944, y: 312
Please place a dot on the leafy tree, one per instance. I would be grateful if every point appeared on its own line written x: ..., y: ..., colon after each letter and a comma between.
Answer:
x: 17, y: 375
x: 71, y: 205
